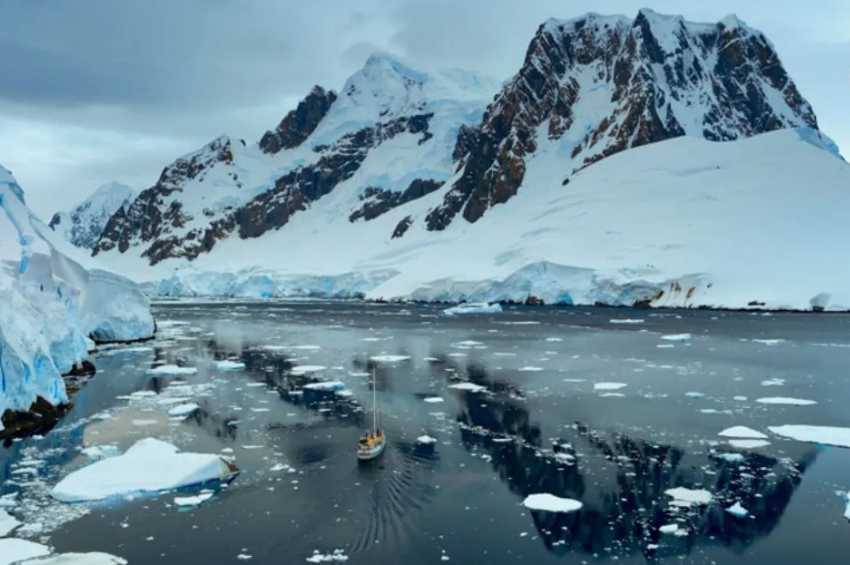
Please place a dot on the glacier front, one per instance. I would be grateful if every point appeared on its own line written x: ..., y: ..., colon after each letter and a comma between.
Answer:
x: 52, y: 297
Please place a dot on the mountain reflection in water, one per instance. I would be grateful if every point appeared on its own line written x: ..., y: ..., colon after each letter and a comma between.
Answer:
x: 621, y: 480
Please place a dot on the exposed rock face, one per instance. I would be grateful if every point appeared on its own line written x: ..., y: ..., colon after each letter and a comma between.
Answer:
x: 300, y: 123
x: 598, y: 85
x: 378, y: 201
x: 295, y: 190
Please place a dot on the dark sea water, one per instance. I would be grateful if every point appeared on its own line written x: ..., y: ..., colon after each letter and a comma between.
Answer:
x: 539, y: 427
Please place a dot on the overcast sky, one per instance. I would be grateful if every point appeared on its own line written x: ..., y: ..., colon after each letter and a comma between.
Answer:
x: 100, y: 90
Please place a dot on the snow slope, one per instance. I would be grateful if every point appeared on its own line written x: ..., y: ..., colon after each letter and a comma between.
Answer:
x: 83, y: 225
x: 684, y: 222
x: 51, y: 297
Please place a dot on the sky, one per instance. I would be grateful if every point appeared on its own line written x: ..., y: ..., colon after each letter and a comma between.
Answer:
x: 99, y: 90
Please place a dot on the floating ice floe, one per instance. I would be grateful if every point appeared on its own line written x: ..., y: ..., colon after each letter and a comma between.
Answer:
x: 689, y: 497
x: 150, y: 465
x: 530, y: 369
x: 625, y: 321
x: 318, y: 557
x: 731, y: 457
x: 748, y: 443
x: 172, y: 370
x: 7, y: 523
x: 554, y: 339
x: 773, y: 382
x: 550, y: 503
x: 434, y: 399
x: 306, y: 369
x: 306, y: 347
x: 426, y: 440
x: 183, y: 409
x: 325, y: 385
x: 76, y: 559
x: 768, y: 341
x: 676, y: 337
x: 672, y: 529
x: 193, y: 500
x: 738, y: 511
x: 826, y: 435
x: 230, y: 365
x: 473, y: 308
x: 471, y: 387
x: 14, y: 550
x: 742, y: 432
x: 785, y: 400
x: 609, y: 386
x: 389, y: 358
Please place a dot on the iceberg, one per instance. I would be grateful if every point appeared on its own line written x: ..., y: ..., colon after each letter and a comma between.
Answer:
x: 52, y: 298
x: 149, y: 466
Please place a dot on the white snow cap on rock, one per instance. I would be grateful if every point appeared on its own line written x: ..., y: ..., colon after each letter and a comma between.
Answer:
x: 53, y: 296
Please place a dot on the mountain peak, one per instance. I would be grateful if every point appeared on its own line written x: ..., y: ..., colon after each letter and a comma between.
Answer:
x: 596, y: 85
x: 83, y: 224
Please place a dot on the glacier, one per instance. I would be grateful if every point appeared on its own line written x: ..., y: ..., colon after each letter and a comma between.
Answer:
x: 53, y: 297
x: 680, y: 223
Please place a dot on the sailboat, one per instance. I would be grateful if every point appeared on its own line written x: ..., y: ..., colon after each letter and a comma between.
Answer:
x: 372, y: 442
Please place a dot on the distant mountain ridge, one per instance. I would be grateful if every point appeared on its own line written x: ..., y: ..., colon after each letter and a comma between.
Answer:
x: 84, y: 224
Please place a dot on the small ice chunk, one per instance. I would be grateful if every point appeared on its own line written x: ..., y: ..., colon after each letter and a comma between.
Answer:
x: 306, y: 347
x: 426, y: 440
x: 554, y: 339
x: 545, y: 502
x: 847, y: 510
x: 183, y: 409
x: 785, y: 400
x: 434, y: 399
x: 473, y: 308
x: 742, y: 432
x: 748, y: 443
x: 471, y: 387
x: 609, y: 386
x: 694, y: 394
x: 229, y: 365
x: 769, y: 341
x: 669, y: 528
x: 325, y: 385
x: 529, y: 369
x: 389, y: 358
x: 826, y: 435
x: 172, y: 370
x: 306, y: 369
x: 689, y: 497
x: 738, y: 511
x: 192, y: 500
x: 625, y: 321
x: 676, y: 337
x: 773, y: 382
x: 731, y: 457
x: 338, y: 555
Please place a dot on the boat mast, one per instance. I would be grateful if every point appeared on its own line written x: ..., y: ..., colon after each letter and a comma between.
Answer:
x: 374, y: 403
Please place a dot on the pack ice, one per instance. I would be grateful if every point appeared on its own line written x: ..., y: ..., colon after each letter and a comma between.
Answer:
x: 52, y: 297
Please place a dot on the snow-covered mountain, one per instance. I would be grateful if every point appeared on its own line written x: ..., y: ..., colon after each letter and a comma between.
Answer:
x: 83, y: 225
x: 54, y: 297
x: 388, y: 138
x: 454, y: 186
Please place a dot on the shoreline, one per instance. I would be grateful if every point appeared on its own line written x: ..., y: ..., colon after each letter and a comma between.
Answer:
x: 532, y: 303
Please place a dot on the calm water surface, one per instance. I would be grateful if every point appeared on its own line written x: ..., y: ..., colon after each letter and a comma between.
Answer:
x: 539, y: 427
